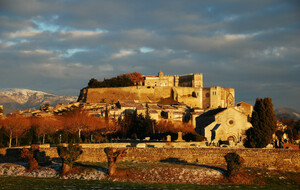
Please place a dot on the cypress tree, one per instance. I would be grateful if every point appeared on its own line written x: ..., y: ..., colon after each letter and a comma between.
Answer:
x: 264, y: 124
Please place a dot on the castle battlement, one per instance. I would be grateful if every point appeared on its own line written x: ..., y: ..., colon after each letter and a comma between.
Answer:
x: 189, y: 80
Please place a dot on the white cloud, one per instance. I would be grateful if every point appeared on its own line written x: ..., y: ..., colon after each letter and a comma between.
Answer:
x: 123, y: 53
x: 6, y: 44
x: 269, y: 53
x: 24, y: 33
x: 146, y: 49
x: 231, y: 37
x: 37, y: 52
x: 43, y: 26
x: 82, y: 33
x: 71, y: 52
x: 79, y: 65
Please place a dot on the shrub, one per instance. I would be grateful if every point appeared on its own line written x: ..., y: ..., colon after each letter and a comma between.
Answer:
x: 100, y: 139
x: 30, y: 156
x: 223, y: 142
x: 193, y: 137
x: 234, y: 163
x: 69, y: 155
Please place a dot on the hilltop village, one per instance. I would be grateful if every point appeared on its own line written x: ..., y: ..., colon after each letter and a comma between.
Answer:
x: 210, y: 110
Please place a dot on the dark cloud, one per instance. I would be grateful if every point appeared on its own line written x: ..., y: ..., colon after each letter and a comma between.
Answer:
x: 57, y: 46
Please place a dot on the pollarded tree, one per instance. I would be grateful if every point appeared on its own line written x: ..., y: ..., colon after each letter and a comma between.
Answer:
x: 114, y: 155
x: 68, y: 156
x: 264, y: 124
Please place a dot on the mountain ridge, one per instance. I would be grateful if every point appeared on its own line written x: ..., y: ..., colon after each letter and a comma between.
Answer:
x: 14, y: 99
x: 287, y: 114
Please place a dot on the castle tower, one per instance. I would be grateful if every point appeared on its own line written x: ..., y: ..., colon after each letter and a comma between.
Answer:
x: 176, y: 81
x: 160, y: 74
x: 197, y: 81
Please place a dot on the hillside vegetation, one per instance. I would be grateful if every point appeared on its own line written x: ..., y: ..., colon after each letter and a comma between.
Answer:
x: 129, y: 79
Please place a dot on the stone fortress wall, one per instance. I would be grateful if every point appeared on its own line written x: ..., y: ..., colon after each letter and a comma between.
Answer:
x: 186, y: 89
x: 283, y: 159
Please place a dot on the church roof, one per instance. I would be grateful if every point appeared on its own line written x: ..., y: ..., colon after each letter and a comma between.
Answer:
x: 216, y: 127
x: 213, y: 112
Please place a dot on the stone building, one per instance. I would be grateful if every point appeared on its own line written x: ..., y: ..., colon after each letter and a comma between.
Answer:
x: 225, y: 124
x: 190, y: 80
x: 244, y: 107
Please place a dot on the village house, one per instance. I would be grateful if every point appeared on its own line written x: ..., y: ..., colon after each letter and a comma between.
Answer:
x: 1, y: 110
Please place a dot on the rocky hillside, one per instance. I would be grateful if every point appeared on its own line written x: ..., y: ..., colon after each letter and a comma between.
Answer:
x: 21, y: 99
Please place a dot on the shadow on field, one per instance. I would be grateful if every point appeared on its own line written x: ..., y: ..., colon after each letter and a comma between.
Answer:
x: 183, y: 162
x: 99, y: 168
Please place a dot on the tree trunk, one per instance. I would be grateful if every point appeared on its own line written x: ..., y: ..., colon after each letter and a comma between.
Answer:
x: 10, y: 139
x: 153, y: 128
x: 79, y: 135
x: 43, y: 139
x: 65, y: 168
x: 38, y: 139
x: 16, y: 140
x: 113, y: 157
x: 112, y: 168
x: 32, y: 164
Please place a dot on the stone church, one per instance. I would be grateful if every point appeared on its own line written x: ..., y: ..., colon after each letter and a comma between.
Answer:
x: 225, y: 124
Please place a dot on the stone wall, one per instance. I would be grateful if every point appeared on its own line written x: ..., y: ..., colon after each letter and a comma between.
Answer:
x: 283, y: 159
x: 269, y: 158
x: 141, y: 93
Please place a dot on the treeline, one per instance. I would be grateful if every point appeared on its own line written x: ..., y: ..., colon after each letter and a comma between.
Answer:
x: 73, y: 127
x: 138, y: 126
x: 123, y: 80
x: 79, y: 127
x: 292, y: 130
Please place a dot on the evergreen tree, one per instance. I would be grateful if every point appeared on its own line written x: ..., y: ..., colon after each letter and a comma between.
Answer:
x: 106, y: 114
x: 264, y: 124
x: 135, y: 125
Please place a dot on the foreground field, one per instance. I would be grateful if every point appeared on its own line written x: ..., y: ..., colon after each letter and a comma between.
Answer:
x: 169, y: 174
x: 188, y: 173
x: 13, y: 183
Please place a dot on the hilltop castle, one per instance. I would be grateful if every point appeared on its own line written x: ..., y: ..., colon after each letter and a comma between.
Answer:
x: 187, y: 89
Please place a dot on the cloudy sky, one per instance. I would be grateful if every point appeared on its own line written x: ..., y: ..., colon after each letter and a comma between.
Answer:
x: 57, y: 46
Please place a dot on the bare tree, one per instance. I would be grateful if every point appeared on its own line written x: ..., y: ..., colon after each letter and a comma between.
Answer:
x: 45, y: 126
x: 15, y: 126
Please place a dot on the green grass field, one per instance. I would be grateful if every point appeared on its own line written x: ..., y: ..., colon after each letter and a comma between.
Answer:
x: 15, y: 183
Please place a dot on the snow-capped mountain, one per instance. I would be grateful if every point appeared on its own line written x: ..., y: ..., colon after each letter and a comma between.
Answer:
x: 286, y: 114
x: 21, y: 99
